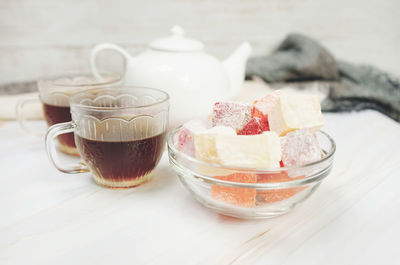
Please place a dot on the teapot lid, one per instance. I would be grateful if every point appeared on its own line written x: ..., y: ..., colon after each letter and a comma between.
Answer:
x: 177, y: 42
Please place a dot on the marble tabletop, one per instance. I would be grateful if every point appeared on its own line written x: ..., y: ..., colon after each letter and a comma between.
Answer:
x: 48, y: 217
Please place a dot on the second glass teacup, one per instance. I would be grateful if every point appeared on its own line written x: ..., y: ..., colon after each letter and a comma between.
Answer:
x: 120, y: 134
x: 54, y: 94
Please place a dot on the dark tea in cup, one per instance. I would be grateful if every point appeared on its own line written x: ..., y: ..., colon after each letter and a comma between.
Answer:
x: 126, y: 161
x: 56, y: 114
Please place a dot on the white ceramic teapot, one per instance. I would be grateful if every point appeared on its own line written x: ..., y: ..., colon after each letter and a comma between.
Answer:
x: 178, y: 65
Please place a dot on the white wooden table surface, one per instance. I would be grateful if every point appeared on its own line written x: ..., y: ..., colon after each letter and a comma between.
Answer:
x: 48, y: 217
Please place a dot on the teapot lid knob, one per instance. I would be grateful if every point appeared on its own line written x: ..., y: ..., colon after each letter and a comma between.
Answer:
x: 177, y: 42
x: 177, y: 31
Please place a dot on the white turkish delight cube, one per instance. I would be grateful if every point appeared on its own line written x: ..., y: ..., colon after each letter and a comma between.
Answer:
x: 292, y: 112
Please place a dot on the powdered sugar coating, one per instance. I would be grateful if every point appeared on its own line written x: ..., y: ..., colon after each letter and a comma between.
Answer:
x: 232, y: 114
x: 300, y: 147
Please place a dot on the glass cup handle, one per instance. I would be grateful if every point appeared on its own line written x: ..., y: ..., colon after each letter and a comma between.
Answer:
x: 50, y: 140
x: 20, y: 113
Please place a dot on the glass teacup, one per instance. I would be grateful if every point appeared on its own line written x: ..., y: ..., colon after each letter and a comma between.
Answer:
x: 120, y: 134
x: 54, y: 94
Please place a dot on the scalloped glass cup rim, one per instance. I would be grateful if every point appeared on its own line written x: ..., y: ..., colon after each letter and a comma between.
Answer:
x: 69, y: 89
x: 75, y: 99
x: 267, y: 186
x: 113, y: 78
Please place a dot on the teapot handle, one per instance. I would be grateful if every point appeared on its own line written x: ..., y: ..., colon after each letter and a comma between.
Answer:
x: 105, y: 46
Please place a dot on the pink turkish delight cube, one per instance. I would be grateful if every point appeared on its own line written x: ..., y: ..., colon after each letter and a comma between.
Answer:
x: 232, y: 114
x: 184, y: 138
x: 300, y: 147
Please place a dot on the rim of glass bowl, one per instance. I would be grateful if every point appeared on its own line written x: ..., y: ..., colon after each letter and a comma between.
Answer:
x: 318, y: 175
x: 122, y: 88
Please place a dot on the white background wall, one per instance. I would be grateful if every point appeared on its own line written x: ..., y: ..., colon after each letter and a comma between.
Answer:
x: 49, y: 36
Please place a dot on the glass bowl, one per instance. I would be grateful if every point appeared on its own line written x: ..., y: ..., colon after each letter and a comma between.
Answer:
x: 251, y: 193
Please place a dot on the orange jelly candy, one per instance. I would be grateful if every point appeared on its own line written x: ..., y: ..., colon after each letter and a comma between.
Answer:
x: 268, y: 196
x: 245, y: 197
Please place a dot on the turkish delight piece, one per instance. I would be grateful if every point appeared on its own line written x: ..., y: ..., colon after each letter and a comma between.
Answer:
x: 300, y: 147
x: 245, y: 197
x: 205, y: 143
x: 262, y: 150
x: 226, y: 148
x: 276, y: 195
x: 184, y: 138
x: 292, y: 112
x: 232, y: 114
x: 262, y: 107
x: 205, y: 150
x: 221, y: 130
x: 255, y: 126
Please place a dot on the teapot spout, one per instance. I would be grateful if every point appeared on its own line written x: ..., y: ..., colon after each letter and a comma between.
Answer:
x: 235, y: 66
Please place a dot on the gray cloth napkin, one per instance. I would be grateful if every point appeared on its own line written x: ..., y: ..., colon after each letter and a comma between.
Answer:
x: 351, y: 87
